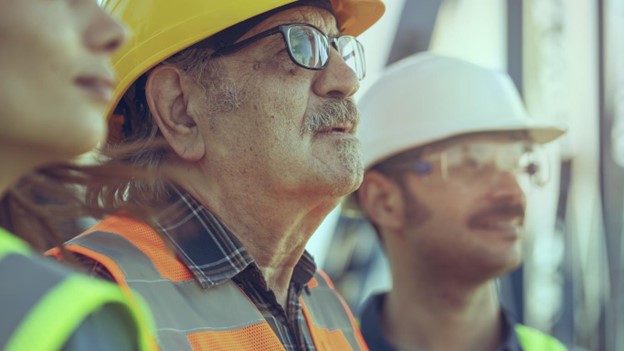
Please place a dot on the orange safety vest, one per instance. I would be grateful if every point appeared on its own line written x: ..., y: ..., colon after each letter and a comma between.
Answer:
x: 217, y: 318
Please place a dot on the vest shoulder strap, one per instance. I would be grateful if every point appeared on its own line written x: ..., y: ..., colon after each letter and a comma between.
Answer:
x: 534, y: 340
x: 142, y: 237
x: 11, y: 244
x: 331, y: 322
x: 55, y: 303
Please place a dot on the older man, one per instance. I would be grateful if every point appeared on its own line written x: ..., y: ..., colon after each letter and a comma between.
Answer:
x: 246, y: 108
x: 448, y: 148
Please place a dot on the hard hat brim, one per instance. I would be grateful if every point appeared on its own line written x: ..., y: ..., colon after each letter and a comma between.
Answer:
x: 538, y: 132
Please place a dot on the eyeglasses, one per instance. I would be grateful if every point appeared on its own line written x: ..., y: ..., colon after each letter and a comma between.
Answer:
x: 309, y: 47
x: 479, y: 161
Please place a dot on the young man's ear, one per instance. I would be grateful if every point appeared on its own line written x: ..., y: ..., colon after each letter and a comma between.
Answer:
x: 381, y: 200
x: 167, y: 92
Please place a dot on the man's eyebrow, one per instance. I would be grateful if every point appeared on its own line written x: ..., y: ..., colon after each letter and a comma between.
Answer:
x: 275, y: 42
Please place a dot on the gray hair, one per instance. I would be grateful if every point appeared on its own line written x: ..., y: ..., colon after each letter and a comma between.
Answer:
x: 142, y: 145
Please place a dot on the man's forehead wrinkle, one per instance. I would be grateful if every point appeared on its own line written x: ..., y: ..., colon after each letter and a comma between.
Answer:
x: 320, y: 18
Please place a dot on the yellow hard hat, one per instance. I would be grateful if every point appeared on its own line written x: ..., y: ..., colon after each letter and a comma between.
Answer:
x: 161, y: 28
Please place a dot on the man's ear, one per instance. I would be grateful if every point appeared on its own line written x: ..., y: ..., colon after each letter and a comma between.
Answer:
x: 381, y: 199
x: 167, y: 92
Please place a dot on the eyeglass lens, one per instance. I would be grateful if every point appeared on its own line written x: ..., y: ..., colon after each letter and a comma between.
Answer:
x: 307, y: 47
x: 310, y: 48
x: 353, y: 54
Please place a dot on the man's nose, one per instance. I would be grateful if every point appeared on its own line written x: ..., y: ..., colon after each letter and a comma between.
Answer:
x: 337, y: 80
x: 504, y: 184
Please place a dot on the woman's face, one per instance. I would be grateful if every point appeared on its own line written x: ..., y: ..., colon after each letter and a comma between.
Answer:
x: 55, y: 75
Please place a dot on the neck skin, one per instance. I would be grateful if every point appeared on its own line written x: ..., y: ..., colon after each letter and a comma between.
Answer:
x: 274, y: 228
x: 426, y: 310
x: 16, y: 162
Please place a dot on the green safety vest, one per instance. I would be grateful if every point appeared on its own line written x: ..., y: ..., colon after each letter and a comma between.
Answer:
x: 534, y: 340
x: 43, y: 303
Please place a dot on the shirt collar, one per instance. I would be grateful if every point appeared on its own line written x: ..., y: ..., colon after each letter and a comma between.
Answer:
x: 370, y: 317
x: 372, y: 331
x: 208, y: 247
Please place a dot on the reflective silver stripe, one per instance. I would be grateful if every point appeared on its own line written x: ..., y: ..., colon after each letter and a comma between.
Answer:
x: 327, y: 311
x: 179, y: 308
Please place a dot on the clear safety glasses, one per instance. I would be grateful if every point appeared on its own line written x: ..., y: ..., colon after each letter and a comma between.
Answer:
x: 309, y: 47
x: 476, y: 162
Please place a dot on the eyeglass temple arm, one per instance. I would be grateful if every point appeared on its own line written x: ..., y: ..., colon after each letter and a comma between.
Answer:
x: 232, y: 48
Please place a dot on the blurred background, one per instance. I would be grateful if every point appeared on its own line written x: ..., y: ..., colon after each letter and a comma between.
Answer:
x: 566, y: 58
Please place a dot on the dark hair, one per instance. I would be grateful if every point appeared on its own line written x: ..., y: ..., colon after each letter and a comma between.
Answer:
x: 43, y: 206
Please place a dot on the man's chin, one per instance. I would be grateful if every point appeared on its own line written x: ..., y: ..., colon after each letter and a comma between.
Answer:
x: 353, y: 174
x: 351, y: 183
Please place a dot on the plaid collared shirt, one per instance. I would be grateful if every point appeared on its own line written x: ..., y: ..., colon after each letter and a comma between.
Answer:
x: 214, y: 255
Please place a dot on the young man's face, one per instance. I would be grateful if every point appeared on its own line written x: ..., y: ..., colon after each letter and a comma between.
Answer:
x: 269, y: 132
x: 467, y: 213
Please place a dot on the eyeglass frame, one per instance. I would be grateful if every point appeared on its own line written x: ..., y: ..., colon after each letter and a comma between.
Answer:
x: 283, y: 28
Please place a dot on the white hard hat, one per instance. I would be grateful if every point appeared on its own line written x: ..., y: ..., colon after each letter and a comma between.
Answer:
x: 427, y: 98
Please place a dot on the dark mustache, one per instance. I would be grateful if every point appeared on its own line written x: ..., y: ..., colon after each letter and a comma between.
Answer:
x: 501, y: 209
x: 331, y: 113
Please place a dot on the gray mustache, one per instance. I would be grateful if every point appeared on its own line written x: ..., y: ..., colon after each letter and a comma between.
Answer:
x: 330, y: 113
